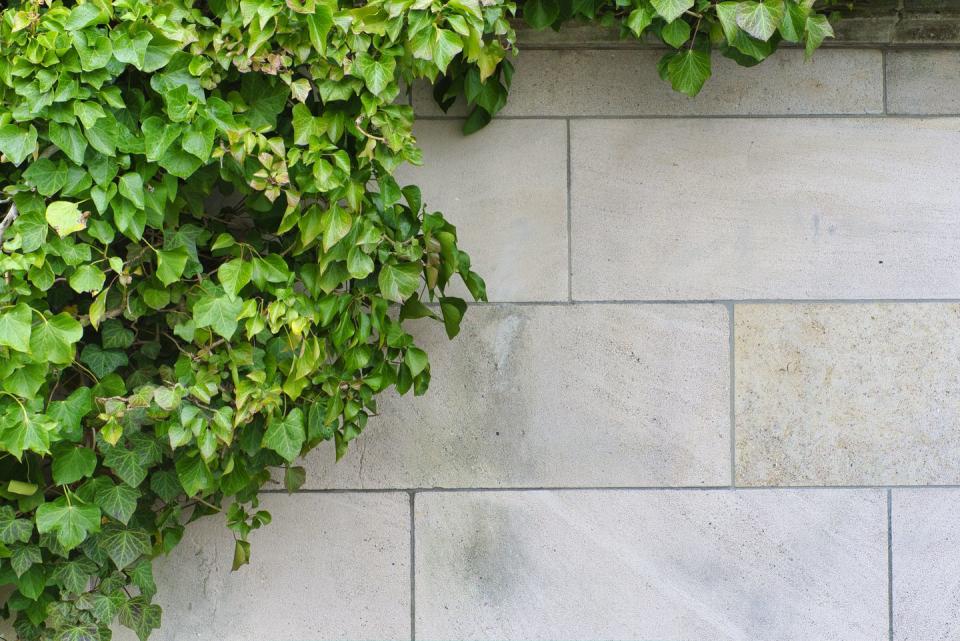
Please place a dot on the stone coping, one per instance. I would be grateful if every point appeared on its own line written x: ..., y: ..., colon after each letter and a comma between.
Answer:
x: 927, y: 24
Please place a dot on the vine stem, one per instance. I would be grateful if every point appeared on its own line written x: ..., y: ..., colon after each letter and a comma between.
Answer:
x: 8, y: 219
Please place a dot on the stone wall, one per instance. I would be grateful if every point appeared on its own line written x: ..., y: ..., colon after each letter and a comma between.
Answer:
x: 715, y: 395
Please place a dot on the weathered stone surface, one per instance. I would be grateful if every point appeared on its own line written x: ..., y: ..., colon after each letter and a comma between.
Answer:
x: 923, y: 81
x: 582, y: 395
x: 926, y: 564
x: 505, y: 188
x: 625, y: 83
x: 329, y: 566
x: 672, y: 566
x: 768, y: 208
x: 847, y: 394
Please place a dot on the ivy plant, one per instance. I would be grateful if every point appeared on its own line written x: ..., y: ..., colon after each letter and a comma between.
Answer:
x: 746, y: 31
x: 207, y: 267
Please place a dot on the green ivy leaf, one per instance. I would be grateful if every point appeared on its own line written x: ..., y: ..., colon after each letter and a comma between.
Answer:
x: 126, y: 464
x: 141, y: 616
x: 123, y: 545
x: 71, y: 523
x: 234, y: 276
x: 13, y: 529
x: 17, y: 143
x: 47, y: 176
x: 131, y: 188
x: 70, y: 464
x: 447, y: 45
x: 639, y: 19
x: 53, y: 339
x: 688, y: 70
x: 15, y: 327
x: 286, y: 435
x: 818, y: 28
x: 336, y: 223
x: 540, y: 14
x: 69, y: 412
x: 676, y: 33
x: 87, y: 278
x: 118, y: 501
x: 170, y: 264
x: 760, y: 19
x: 32, y: 583
x: 194, y: 475
x: 23, y: 556
x: 399, y: 282
x: 670, y: 10
x: 377, y: 74
x: 102, y: 361
x: 69, y: 139
x: 75, y: 575
x: 80, y: 631
x: 219, y: 313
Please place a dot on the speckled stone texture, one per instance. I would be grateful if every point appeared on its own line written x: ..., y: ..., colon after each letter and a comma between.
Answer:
x: 768, y: 208
x: 926, y: 563
x: 923, y: 81
x: 847, y: 394
x: 581, y: 395
x: 333, y: 566
x: 682, y: 565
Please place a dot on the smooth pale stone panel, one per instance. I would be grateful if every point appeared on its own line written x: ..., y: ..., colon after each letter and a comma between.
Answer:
x: 667, y: 565
x: 329, y: 566
x: 847, y: 394
x: 626, y: 83
x: 926, y: 564
x: 533, y: 396
x: 505, y: 188
x: 768, y: 208
x: 923, y: 81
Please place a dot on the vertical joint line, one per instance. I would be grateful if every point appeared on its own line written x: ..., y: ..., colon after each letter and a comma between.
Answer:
x: 569, y: 223
x: 890, y: 564
x: 883, y: 78
x: 733, y: 397
x: 413, y: 574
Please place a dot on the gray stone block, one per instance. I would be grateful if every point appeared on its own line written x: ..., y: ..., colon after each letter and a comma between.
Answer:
x: 766, y: 208
x: 505, y: 188
x: 598, y: 82
x: 329, y: 566
x: 667, y: 565
x: 926, y: 564
x: 531, y: 396
x: 847, y: 394
x: 923, y: 81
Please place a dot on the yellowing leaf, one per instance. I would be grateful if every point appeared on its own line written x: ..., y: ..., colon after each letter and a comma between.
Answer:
x: 65, y: 217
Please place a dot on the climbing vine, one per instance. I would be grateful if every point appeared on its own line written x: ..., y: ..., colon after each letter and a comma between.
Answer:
x: 206, y: 265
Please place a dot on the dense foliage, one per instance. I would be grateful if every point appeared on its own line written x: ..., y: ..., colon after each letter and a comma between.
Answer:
x: 207, y: 264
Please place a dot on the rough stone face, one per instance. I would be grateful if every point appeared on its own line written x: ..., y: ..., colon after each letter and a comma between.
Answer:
x: 926, y: 564
x: 505, y: 188
x: 329, y: 566
x: 923, y: 82
x: 625, y: 83
x: 769, y: 208
x: 672, y: 566
x: 847, y: 394
x: 582, y: 395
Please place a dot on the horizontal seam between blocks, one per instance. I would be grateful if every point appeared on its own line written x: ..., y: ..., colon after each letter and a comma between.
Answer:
x: 812, y: 116
x: 712, y: 301
x: 614, y: 488
x: 595, y: 45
